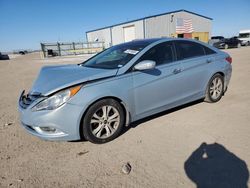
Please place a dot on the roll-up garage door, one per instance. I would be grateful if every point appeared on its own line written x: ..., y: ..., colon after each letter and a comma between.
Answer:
x: 129, y: 33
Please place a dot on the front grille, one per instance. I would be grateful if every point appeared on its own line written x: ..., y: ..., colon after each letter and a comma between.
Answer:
x: 27, y: 100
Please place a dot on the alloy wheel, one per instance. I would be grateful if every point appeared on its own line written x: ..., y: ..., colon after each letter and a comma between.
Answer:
x: 216, y: 88
x: 105, y: 121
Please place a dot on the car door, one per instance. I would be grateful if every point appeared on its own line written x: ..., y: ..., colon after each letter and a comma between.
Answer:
x: 195, y: 68
x: 156, y: 88
x: 229, y: 42
x: 236, y: 42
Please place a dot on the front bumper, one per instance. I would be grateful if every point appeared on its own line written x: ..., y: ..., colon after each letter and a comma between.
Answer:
x: 65, y: 120
x: 244, y: 42
x: 219, y: 46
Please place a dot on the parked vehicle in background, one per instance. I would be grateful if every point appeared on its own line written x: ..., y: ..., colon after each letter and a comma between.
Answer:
x: 215, y: 39
x: 233, y: 42
x: 124, y: 83
x: 244, y: 37
x: 23, y: 52
x: 4, y: 56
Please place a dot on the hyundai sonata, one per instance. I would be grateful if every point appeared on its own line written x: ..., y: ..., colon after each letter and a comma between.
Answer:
x: 124, y: 83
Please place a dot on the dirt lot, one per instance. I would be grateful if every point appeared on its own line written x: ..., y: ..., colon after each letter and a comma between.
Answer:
x: 164, y: 151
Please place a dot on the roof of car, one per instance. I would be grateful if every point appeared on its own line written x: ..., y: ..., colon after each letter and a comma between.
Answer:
x: 141, y: 41
x: 149, y: 41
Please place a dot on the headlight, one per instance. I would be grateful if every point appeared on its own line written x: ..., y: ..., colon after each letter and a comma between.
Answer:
x: 57, y: 99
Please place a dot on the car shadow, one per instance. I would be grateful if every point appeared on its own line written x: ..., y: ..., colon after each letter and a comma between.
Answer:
x: 141, y: 121
x: 213, y: 166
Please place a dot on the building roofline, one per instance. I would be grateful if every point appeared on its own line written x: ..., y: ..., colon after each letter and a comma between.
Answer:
x: 181, y: 10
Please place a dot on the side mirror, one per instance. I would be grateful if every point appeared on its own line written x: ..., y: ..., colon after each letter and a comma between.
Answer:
x: 145, y: 65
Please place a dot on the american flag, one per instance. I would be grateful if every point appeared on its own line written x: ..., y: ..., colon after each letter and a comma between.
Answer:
x: 184, y: 25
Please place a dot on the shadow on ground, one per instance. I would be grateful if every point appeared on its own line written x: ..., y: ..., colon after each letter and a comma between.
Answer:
x: 213, y: 166
x: 141, y: 121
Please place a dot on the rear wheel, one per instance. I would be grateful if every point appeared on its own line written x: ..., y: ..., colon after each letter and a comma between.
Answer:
x: 103, y: 121
x: 215, y: 89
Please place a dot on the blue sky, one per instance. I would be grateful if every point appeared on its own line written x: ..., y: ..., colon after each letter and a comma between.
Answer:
x: 26, y: 23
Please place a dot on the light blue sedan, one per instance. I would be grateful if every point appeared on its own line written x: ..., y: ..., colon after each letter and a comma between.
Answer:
x: 97, y: 98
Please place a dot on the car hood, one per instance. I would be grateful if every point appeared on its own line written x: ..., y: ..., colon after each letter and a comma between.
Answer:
x: 54, y: 78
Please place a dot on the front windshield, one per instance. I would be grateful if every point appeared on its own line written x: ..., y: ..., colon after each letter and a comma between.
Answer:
x: 116, y: 56
x: 244, y: 35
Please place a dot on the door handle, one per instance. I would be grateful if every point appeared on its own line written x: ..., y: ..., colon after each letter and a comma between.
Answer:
x: 176, y: 71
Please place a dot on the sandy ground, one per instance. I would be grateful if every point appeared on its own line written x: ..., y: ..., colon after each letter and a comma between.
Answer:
x: 164, y: 151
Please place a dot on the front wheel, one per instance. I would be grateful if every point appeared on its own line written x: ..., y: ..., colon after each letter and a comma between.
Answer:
x: 215, y: 89
x: 103, y: 121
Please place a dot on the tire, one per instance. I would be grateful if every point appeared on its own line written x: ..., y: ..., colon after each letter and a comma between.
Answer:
x: 215, y: 92
x: 103, y: 121
x: 226, y: 46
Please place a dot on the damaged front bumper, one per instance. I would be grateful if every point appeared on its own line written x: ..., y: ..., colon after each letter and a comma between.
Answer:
x: 58, y: 124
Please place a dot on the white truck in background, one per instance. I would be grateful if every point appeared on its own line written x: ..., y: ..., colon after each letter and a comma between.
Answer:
x: 244, y: 37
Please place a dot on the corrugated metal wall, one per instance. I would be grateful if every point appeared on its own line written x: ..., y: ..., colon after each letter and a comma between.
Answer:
x: 102, y: 35
x: 164, y: 26
x: 200, y: 24
x: 158, y: 26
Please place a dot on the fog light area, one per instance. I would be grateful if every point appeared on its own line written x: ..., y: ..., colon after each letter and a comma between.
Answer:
x: 48, y: 130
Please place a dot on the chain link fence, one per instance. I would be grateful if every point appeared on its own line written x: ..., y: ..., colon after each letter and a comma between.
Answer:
x: 71, y: 48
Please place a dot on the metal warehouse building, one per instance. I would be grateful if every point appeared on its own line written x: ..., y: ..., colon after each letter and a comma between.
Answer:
x: 180, y: 23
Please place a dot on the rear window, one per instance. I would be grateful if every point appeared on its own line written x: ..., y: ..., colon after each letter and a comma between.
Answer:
x: 187, y: 49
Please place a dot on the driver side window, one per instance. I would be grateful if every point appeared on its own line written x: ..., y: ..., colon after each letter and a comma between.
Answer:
x: 161, y: 53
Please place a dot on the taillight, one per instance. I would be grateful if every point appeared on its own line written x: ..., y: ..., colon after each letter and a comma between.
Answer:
x: 229, y: 59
